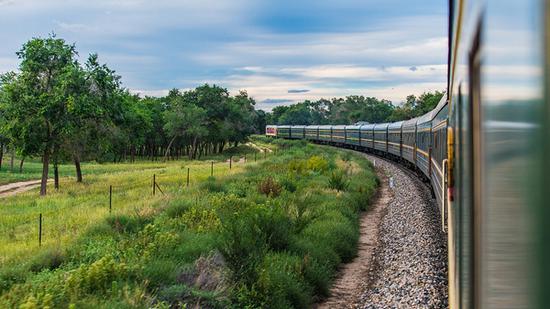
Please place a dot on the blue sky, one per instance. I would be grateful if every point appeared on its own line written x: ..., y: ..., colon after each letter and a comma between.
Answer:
x: 279, y: 51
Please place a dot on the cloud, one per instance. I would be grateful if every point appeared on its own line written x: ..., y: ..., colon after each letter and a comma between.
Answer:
x: 414, y: 69
x: 276, y: 101
x: 287, y: 51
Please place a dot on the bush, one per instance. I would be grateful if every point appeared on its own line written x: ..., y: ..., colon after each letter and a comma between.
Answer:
x: 242, y: 247
x: 269, y: 187
x: 337, y: 181
x: 317, y: 164
x: 288, y: 184
x: 201, y: 219
x: 98, y: 277
x: 49, y: 259
x: 127, y: 223
x: 346, y: 156
x: 297, y: 166
x: 281, y: 282
x: 177, y: 208
x: 212, y: 185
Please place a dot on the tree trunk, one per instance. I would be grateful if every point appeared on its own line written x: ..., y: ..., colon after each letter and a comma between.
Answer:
x: 45, y: 165
x: 12, y: 159
x: 168, y: 148
x: 21, y: 165
x: 78, y: 170
x: 56, y: 175
x: 133, y: 153
x: 1, y: 154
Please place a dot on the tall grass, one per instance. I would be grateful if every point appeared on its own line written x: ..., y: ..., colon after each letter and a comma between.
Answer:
x: 223, y: 242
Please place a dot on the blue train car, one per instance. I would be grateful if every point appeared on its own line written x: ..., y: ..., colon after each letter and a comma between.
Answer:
x: 312, y: 133
x: 439, y: 151
x: 353, y: 135
x: 325, y: 133
x: 366, y: 138
x: 381, y: 137
x: 297, y: 132
x: 394, y: 138
x: 424, y: 143
x: 408, y: 138
x: 283, y: 131
x: 339, y: 134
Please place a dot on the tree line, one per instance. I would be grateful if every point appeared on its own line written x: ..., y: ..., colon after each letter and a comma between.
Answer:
x: 60, y: 110
x: 353, y: 109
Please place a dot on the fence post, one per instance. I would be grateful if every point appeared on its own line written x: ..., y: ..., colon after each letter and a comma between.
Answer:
x: 265, y: 153
x: 255, y: 153
x: 154, y: 183
x: 110, y: 198
x: 212, y: 169
x: 40, y: 230
x: 188, y: 177
x: 230, y: 160
x: 245, y: 158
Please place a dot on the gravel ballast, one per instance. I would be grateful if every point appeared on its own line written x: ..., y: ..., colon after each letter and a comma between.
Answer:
x: 409, y: 268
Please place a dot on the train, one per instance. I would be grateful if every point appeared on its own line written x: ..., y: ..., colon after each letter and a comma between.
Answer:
x: 485, y: 151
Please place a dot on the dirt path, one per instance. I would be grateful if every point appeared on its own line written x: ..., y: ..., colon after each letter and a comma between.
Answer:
x: 18, y: 187
x: 260, y: 149
x: 350, y: 282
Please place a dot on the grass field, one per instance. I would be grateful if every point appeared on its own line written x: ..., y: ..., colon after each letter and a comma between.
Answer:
x: 32, y: 168
x: 265, y: 234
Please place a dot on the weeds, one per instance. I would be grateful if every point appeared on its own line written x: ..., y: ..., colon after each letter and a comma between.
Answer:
x: 269, y: 237
x: 338, y: 181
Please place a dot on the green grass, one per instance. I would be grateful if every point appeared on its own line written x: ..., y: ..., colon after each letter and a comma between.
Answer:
x: 224, y: 242
x: 32, y: 168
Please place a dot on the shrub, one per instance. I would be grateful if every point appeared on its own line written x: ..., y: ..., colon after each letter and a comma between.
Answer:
x: 281, y: 282
x: 297, y: 166
x: 317, y: 164
x: 269, y: 187
x: 288, y: 184
x: 177, y: 208
x: 201, y: 219
x: 127, y: 223
x: 212, y: 185
x: 95, y: 278
x: 346, y: 156
x: 50, y: 259
x: 242, y: 247
x: 338, y: 181
x: 239, y: 188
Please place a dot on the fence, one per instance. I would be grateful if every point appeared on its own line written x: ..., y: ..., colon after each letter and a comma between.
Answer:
x: 156, y: 186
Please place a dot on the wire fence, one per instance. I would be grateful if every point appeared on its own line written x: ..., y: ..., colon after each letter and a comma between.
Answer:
x: 16, y: 230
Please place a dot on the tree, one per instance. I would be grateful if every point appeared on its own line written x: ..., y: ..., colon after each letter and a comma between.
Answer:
x: 186, y: 120
x: 39, y: 102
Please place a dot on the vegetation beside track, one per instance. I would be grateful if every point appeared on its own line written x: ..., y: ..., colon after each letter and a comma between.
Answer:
x: 269, y: 234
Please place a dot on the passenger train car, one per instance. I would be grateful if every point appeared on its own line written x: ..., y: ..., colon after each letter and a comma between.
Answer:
x: 485, y: 150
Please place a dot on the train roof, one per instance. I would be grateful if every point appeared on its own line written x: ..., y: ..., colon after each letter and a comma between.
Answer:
x: 298, y: 127
x: 410, y: 122
x: 381, y: 126
x: 369, y: 126
x: 325, y: 127
x: 442, y: 103
x: 312, y: 127
x: 339, y: 127
x: 284, y: 127
x: 395, y: 125
x: 427, y: 117
x: 353, y: 127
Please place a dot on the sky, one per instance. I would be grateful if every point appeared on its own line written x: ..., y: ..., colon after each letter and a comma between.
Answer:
x: 279, y: 51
